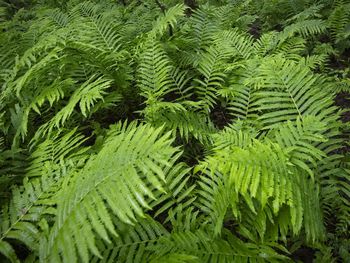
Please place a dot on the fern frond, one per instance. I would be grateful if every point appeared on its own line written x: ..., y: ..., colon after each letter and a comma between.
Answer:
x: 133, y: 244
x: 234, y: 175
x: 168, y: 19
x: 242, y: 98
x: 89, y: 198
x: 179, y: 193
x: 298, y: 138
x: 305, y: 28
x: 59, y: 18
x: 186, y: 124
x: 154, y: 72
x: 310, y: 12
x: 33, y: 202
x: 231, y: 136
x: 209, y: 66
x: 99, y: 33
x: 85, y: 96
x: 203, y: 28
x: 236, y: 43
x: 201, y: 245
x: 288, y: 90
x: 339, y: 20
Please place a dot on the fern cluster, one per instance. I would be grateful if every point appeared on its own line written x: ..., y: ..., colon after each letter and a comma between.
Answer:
x: 170, y: 131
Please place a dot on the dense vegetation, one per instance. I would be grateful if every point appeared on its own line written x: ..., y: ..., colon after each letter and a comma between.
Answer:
x: 174, y: 131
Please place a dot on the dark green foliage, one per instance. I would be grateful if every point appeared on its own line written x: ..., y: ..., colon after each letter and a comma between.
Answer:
x: 174, y: 131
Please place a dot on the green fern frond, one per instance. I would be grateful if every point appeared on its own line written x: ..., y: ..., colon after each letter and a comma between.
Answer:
x: 201, y: 245
x: 339, y: 21
x: 209, y: 66
x: 181, y: 80
x: 234, y: 174
x: 203, y: 29
x: 178, y: 191
x: 242, y: 98
x: 132, y: 246
x: 231, y: 136
x: 58, y: 18
x: 311, y: 12
x: 168, y: 19
x: 154, y: 72
x: 186, y: 124
x: 133, y: 160
x: 304, y: 28
x: 85, y: 96
x: 215, y: 198
x: 299, y: 139
x: 34, y: 201
x: 288, y: 90
x: 236, y: 43
x: 99, y: 33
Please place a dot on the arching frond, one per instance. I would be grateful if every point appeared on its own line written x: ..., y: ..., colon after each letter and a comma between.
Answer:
x: 305, y: 28
x: 133, y: 160
x: 234, y: 174
x: 85, y: 96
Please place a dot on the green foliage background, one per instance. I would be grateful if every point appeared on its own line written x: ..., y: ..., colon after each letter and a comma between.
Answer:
x: 145, y: 131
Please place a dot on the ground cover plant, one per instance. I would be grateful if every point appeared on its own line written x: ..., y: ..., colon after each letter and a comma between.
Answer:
x: 174, y: 131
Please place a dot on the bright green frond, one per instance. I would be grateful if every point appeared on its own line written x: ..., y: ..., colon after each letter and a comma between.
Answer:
x: 119, y: 180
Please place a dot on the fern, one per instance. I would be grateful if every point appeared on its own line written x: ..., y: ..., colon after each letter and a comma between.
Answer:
x: 209, y: 66
x: 92, y: 191
x: 155, y: 131
x: 292, y: 86
x: 85, y: 96
x: 32, y: 204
